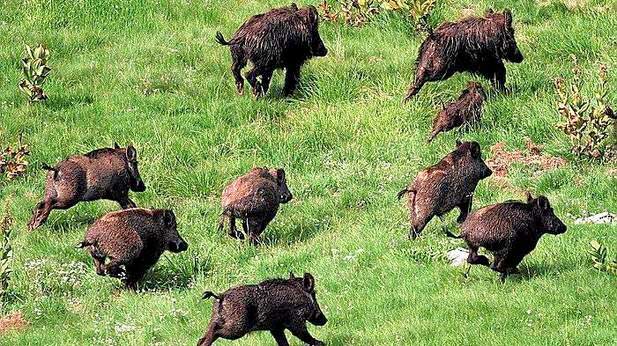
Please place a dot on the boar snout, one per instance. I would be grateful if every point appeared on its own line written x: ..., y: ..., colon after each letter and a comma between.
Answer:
x: 319, y: 319
x: 487, y: 172
x: 319, y: 49
x: 139, y: 186
x: 516, y: 56
x: 178, y: 245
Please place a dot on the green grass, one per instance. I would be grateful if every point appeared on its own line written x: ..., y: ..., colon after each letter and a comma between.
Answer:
x: 151, y: 74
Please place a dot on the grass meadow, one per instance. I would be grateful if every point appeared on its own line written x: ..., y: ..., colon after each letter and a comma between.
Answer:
x: 150, y: 73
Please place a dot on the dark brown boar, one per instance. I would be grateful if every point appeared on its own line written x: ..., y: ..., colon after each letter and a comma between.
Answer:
x: 273, y: 305
x: 284, y: 37
x: 466, y: 110
x: 100, y: 174
x: 126, y: 243
x: 445, y: 186
x: 509, y: 230
x: 477, y: 45
x: 254, y: 198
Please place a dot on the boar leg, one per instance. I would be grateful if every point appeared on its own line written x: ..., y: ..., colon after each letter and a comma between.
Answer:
x: 126, y: 203
x: 300, y: 331
x: 210, y: 336
x: 239, y: 62
x: 265, y: 81
x: 474, y: 258
x: 279, y: 337
x: 292, y: 76
x: 40, y: 214
x: 496, y: 73
x: 233, y: 231
x: 506, y: 265
x: 465, y: 207
x: 256, y: 85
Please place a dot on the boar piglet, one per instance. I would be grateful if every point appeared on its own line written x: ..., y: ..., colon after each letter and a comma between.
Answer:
x: 100, y: 174
x: 466, y: 110
x: 445, y: 186
x: 126, y: 243
x: 274, y: 305
x: 254, y: 198
x: 509, y: 230
x: 477, y: 45
x: 284, y: 37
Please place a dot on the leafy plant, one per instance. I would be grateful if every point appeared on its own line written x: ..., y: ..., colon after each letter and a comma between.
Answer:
x: 360, y: 12
x: 599, y: 256
x: 13, y: 161
x: 6, y: 252
x: 589, y: 121
x: 35, y: 69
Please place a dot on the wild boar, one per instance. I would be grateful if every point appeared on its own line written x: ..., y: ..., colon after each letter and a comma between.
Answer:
x: 273, y: 305
x: 509, y: 230
x: 477, y: 45
x: 466, y: 110
x: 126, y: 243
x: 254, y: 198
x: 100, y: 174
x: 444, y: 186
x: 284, y: 37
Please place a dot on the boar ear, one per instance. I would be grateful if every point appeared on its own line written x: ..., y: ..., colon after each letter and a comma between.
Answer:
x: 475, y: 150
x: 543, y: 203
x: 169, y: 218
x: 116, y: 145
x: 280, y: 175
x: 308, y: 282
x: 508, y: 16
x: 131, y: 153
x: 528, y: 197
x: 313, y: 15
x: 291, y: 275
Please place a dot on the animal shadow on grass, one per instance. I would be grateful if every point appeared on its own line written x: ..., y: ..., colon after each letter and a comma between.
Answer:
x: 176, y: 273
x: 298, y: 233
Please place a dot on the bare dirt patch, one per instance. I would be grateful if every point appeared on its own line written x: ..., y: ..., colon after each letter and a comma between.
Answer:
x: 501, y: 159
x: 14, y: 321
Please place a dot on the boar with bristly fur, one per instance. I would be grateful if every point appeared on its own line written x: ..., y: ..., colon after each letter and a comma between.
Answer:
x: 254, y: 198
x: 126, y: 243
x: 476, y: 45
x: 284, y: 37
x: 510, y: 230
x: 275, y: 305
x: 447, y: 185
x: 466, y: 110
x: 107, y: 173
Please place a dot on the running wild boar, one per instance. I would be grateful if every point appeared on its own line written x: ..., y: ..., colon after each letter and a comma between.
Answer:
x: 445, y: 186
x: 284, y: 37
x: 126, y: 243
x: 466, y: 110
x: 273, y: 305
x: 477, y: 45
x: 100, y: 174
x: 254, y: 198
x: 509, y: 230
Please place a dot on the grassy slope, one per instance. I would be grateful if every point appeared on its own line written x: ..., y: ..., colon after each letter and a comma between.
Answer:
x: 153, y: 75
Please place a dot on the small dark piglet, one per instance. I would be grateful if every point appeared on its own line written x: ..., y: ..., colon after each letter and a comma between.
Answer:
x: 509, y: 230
x: 466, y: 110
x: 284, y: 37
x: 274, y: 305
x: 254, y: 198
x: 477, y: 45
x: 100, y: 174
x: 445, y: 186
x: 126, y: 243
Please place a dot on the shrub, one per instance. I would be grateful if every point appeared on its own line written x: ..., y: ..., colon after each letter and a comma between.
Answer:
x: 35, y: 69
x: 360, y: 12
x: 13, y: 161
x: 6, y: 252
x: 589, y: 121
x: 599, y: 256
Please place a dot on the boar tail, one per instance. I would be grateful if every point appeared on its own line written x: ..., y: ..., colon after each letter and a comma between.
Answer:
x: 452, y: 235
x: 210, y: 294
x: 402, y: 193
x: 50, y: 168
x: 220, y: 39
